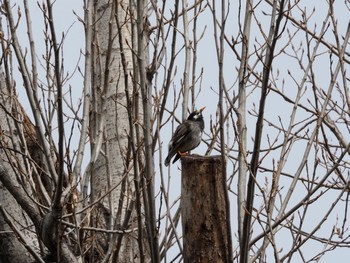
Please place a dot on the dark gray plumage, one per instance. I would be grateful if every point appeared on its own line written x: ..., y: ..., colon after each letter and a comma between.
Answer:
x: 187, y: 136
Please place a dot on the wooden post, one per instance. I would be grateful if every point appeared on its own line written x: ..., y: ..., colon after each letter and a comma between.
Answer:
x: 203, y: 210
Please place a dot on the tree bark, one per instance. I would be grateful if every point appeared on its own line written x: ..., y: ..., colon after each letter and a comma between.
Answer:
x: 114, y: 107
x: 203, y: 209
x: 11, y: 250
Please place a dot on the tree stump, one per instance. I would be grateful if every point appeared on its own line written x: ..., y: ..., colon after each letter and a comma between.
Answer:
x: 204, y: 210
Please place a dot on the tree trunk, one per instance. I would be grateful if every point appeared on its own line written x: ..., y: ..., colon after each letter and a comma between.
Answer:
x: 203, y: 210
x: 114, y: 104
x: 11, y: 250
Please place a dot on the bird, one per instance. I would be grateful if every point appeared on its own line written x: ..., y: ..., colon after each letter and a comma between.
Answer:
x: 186, y: 137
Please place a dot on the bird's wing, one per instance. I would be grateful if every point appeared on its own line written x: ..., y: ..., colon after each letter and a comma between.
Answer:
x: 181, y: 131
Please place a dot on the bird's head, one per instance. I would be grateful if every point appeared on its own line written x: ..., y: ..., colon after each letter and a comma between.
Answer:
x: 196, y: 115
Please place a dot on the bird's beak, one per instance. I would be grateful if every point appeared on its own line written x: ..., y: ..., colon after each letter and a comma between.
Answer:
x: 202, y: 109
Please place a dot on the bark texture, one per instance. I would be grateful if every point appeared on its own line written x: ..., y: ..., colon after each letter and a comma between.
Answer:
x: 114, y: 94
x: 203, y: 209
x: 11, y: 159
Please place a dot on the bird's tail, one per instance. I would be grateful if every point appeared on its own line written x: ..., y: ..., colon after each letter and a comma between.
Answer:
x: 168, y: 158
x: 177, y: 157
x: 171, y: 155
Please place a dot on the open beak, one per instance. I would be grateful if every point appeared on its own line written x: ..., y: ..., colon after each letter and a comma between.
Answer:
x: 202, y: 109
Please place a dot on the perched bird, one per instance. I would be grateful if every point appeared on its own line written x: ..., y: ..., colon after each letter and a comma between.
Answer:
x: 187, y: 136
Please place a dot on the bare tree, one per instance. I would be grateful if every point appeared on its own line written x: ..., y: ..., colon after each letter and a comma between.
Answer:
x: 81, y: 170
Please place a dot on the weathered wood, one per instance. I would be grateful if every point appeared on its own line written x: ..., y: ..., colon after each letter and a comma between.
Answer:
x: 203, y: 210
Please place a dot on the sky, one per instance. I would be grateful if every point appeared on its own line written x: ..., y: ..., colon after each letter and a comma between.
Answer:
x: 69, y: 26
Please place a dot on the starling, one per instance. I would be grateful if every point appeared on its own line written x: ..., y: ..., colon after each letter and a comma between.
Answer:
x: 187, y: 136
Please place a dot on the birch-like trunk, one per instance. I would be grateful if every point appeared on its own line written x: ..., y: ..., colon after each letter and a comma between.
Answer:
x: 114, y: 104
